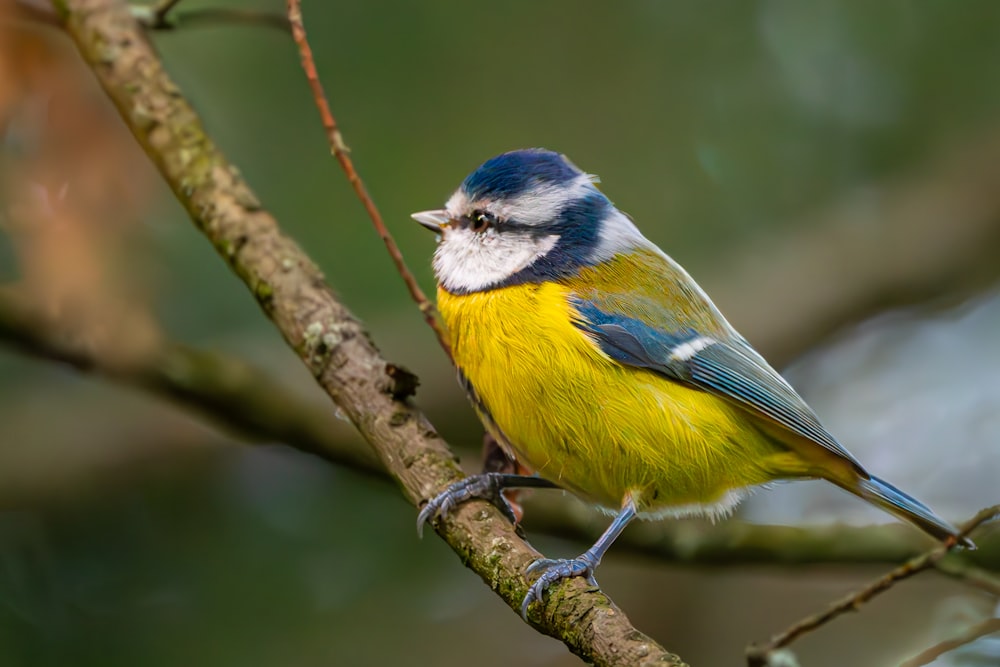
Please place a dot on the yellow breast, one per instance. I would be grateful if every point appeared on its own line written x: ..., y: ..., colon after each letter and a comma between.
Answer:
x: 594, y: 426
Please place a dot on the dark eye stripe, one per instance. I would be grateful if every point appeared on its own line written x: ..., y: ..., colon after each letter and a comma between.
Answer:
x: 479, y: 221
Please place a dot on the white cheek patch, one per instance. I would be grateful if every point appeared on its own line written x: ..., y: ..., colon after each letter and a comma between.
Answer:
x: 466, y: 261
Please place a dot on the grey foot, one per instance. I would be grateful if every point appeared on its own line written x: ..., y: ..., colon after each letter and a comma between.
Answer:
x: 553, y: 570
x: 486, y: 486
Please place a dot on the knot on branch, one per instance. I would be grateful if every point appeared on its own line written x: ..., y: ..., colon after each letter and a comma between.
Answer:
x: 399, y: 383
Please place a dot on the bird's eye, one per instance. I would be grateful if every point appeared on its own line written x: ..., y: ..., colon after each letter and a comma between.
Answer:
x: 480, y: 220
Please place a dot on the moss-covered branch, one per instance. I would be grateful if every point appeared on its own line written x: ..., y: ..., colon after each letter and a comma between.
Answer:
x: 328, y: 338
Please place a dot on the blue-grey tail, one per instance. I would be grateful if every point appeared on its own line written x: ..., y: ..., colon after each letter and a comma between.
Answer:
x: 894, y: 501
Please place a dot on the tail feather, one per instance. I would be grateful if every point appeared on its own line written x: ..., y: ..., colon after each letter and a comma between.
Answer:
x: 894, y: 501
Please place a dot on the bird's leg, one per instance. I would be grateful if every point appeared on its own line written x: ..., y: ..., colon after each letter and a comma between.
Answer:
x: 554, y: 569
x: 486, y: 486
x: 496, y: 459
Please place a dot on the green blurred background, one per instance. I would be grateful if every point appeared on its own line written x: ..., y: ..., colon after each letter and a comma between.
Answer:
x: 132, y: 533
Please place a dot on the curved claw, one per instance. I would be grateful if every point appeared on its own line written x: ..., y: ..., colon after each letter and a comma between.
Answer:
x: 486, y: 486
x: 553, y: 570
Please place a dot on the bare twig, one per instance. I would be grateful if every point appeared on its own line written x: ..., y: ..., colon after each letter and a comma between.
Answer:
x: 165, y: 15
x: 327, y: 337
x: 160, y: 11
x: 340, y: 151
x: 757, y: 656
x: 986, y: 627
x: 229, y: 16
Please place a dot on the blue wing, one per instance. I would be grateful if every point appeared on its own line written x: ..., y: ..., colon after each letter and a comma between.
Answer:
x: 724, y: 365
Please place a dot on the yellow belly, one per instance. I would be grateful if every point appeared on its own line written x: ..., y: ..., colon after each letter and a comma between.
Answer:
x: 590, y: 424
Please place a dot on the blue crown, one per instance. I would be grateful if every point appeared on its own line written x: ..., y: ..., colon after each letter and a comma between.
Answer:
x: 511, y: 174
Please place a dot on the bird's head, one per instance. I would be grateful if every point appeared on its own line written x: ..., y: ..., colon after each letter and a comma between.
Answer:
x: 524, y: 216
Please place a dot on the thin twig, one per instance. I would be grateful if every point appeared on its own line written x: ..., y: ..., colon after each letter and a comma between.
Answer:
x: 340, y: 151
x: 160, y: 11
x: 154, y: 17
x: 229, y: 16
x: 757, y: 656
x: 989, y: 626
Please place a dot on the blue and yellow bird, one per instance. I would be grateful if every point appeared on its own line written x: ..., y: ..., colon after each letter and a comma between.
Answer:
x: 598, y: 363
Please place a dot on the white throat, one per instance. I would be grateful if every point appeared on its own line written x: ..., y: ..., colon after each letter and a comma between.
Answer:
x: 466, y: 261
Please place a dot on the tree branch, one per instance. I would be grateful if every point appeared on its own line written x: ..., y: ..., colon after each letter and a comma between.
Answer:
x: 759, y: 656
x: 232, y: 394
x: 327, y: 337
x: 209, y: 16
x: 166, y: 16
x: 163, y: 7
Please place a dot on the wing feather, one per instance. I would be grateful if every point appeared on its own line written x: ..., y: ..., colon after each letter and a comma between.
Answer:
x: 724, y: 365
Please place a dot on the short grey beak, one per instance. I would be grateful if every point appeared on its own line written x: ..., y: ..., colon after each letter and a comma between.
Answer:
x: 433, y: 220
